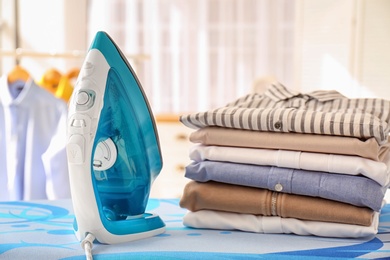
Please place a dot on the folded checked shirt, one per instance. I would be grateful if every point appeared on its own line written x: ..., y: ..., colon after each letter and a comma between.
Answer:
x: 356, y: 190
x: 248, y: 200
x: 282, y: 110
x: 291, y: 141
x: 213, y: 219
x: 333, y: 163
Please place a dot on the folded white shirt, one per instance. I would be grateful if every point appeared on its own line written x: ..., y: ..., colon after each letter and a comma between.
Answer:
x: 333, y: 163
x: 221, y: 220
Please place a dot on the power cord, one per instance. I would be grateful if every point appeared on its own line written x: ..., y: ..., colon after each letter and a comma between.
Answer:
x: 87, y: 244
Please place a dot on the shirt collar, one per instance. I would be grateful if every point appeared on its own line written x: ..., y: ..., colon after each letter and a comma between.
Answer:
x: 6, y: 98
x: 326, y: 95
x: 278, y: 92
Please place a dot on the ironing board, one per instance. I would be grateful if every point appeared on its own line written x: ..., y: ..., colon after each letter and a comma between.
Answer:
x: 43, y: 230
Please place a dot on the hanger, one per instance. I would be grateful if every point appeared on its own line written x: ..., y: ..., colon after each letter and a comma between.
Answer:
x: 66, y: 84
x: 17, y: 79
x: 50, y: 80
x: 18, y: 73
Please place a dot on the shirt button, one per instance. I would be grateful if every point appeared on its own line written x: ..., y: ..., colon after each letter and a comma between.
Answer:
x: 278, y: 187
x: 278, y: 125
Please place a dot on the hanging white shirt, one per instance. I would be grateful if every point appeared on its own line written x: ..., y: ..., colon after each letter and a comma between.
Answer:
x: 33, y: 163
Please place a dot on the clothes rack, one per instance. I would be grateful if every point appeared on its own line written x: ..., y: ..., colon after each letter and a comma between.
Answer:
x: 74, y: 54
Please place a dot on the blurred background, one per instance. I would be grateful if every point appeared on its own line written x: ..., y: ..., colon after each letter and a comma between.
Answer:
x: 195, y: 55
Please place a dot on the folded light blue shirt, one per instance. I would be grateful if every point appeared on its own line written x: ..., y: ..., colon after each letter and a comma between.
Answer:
x: 355, y: 190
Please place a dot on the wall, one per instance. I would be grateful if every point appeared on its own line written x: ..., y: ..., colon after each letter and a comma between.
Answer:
x: 343, y: 45
x: 46, y: 27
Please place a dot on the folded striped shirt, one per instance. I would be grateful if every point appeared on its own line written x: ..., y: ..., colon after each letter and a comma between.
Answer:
x: 282, y: 110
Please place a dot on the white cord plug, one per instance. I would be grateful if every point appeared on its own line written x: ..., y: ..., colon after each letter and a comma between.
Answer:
x: 87, y: 244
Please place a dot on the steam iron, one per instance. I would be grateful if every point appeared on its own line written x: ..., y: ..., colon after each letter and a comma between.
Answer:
x: 113, y: 149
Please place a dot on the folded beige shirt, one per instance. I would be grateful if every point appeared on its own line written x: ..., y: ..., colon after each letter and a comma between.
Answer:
x: 291, y: 141
x: 248, y: 200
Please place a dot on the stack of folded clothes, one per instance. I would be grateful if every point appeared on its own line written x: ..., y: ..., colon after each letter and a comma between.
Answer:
x: 286, y: 162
